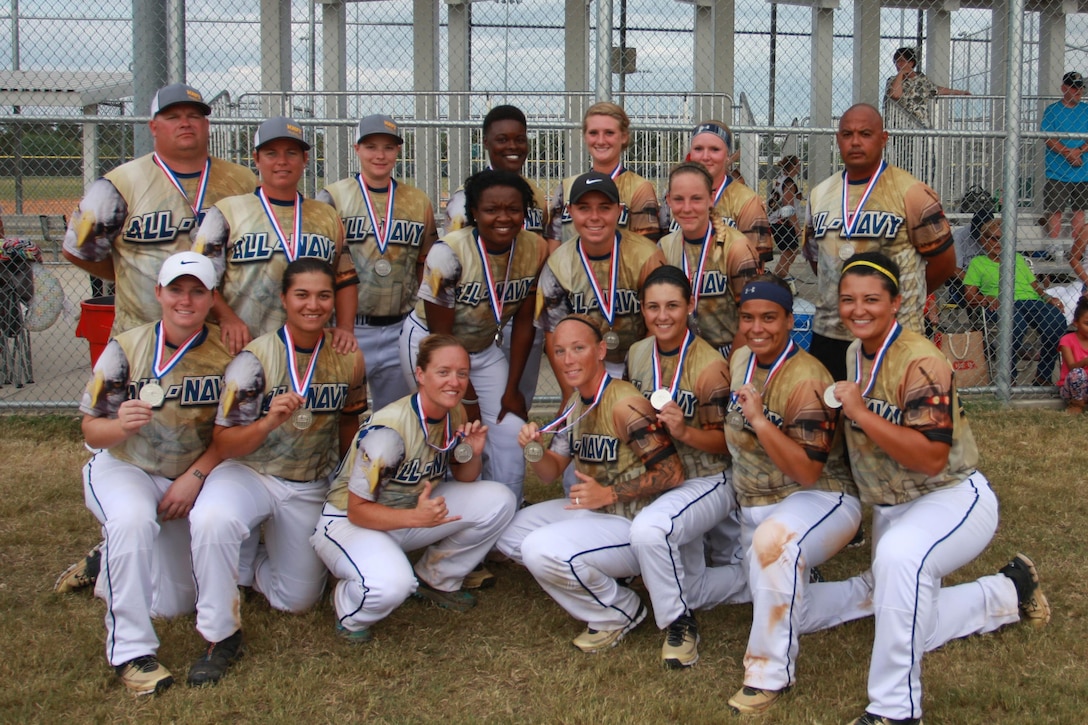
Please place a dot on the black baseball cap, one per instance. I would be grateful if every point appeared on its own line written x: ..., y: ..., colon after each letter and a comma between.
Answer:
x: 1073, y: 79
x: 594, y: 181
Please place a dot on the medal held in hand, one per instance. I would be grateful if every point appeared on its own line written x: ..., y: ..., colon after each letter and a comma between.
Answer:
x: 534, y: 451
x: 302, y: 419
x: 660, y: 398
x: 462, y: 452
x: 829, y: 398
x: 735, y: 420
x: 152, y: 393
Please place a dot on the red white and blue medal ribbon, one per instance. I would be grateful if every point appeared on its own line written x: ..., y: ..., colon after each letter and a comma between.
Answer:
x: 878, y: 360
x: 290, y: 245
x: 201, y: 185
x: 162, y: 364
x: 300, y: 383
x: 553, y: 426
x: 609, y: 310
x: 682, y: 356
x: 850, y: 221
x: 750, y: 370
x: 449, y: 439
x: 384, y: 229
x: 615, y: 173
x: 492, y: 292
x: 697, y: 280
x: 721, y: 190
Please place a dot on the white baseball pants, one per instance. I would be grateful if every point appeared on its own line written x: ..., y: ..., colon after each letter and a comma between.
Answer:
x: 375, y: 575
x: 667, y: 538
x: 576, y: 557
x: 233, y: 504
x: 914, y: 545
x: 783, y: 541
x: 146, y: 570
x: 385, y: 378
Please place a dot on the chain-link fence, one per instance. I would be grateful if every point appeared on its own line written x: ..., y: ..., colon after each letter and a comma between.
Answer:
x: 780, y: 74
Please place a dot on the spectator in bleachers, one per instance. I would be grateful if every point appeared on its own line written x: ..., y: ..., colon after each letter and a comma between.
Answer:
x: 1032, y: 308
x: 1066, y: 173
x: 1073, y: 347
x: 782, y: 207
x: 911, y: 90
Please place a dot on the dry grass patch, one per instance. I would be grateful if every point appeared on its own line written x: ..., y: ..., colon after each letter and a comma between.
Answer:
x: 510, y: 659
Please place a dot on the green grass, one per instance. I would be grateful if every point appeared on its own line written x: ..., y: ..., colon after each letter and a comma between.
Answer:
x: 510, y: 659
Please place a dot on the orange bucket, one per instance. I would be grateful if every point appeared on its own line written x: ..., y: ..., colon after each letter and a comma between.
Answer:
x: 95, y: 323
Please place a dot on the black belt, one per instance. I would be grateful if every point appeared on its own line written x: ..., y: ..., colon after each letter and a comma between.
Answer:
x: 379, y: 320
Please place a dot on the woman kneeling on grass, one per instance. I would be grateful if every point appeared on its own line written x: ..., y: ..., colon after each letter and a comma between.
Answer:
x: 576, y: 548
x: 798, y: 504
x: 290, y: 403
x: 913, y: 459
x: 394, y: 494
x: 154, y: 430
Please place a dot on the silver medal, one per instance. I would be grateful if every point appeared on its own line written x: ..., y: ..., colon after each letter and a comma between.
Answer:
x: 462, y: 453
x: 498, y: 337
x: 829, y: 398
x: 611, y: 340
x: 660, y: 398
x: 152, y: 393
x: 302, y: 419
x: 534, y: 451
x: 735, y: 421
x: 846, y: 251
x: 382, y: 267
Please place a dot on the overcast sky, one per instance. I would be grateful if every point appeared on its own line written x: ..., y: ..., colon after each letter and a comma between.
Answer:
x: 516, y: 47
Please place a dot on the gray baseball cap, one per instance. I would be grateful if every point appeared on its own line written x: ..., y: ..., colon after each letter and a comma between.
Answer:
x: 176, y: 93
x: 594, y: 181
x: 279, y: 127
x: 378, y: 123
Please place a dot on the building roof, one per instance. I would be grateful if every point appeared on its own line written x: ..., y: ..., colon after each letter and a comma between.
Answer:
x: 63, y: 88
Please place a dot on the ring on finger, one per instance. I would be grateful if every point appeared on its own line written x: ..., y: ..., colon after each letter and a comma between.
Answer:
x: 575, y: 500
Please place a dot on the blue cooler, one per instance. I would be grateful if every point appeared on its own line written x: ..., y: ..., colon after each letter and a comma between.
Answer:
x: 803, y: 312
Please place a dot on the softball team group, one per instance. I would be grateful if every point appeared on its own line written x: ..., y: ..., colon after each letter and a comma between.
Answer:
x: 699, y: 446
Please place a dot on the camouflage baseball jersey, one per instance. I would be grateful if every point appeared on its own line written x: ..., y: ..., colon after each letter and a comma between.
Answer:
x: 614, y: 439
x: 453, y: 277
x: 412, y: 234
x: 740, y: 208
x: 703, y: 395
x: 391, y: 458
x: 564, y: 288
x: 136, y: 215
x: 903, y: 219
x: 260, y: 373
x: 914, y: 388
x: 794, y: 402
x: 181, y: 427
x: 241, y: 241
x: 536, y: 221
x: 730, y: 263
x: 638, y: 200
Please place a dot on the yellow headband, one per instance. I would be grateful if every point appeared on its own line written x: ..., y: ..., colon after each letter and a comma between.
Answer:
x: 877, y: 267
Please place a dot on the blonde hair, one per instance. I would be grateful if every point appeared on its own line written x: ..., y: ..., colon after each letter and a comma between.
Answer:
x: 612, y: 110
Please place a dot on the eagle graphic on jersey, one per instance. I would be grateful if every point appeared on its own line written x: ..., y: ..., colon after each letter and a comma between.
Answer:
x: 109, y: 387
x: 243, y: 388
x: 445, y: 269
x: 379, y: 452
x: 101, y: 213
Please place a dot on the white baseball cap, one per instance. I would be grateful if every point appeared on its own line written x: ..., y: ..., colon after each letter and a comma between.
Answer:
x: 191, y: 264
